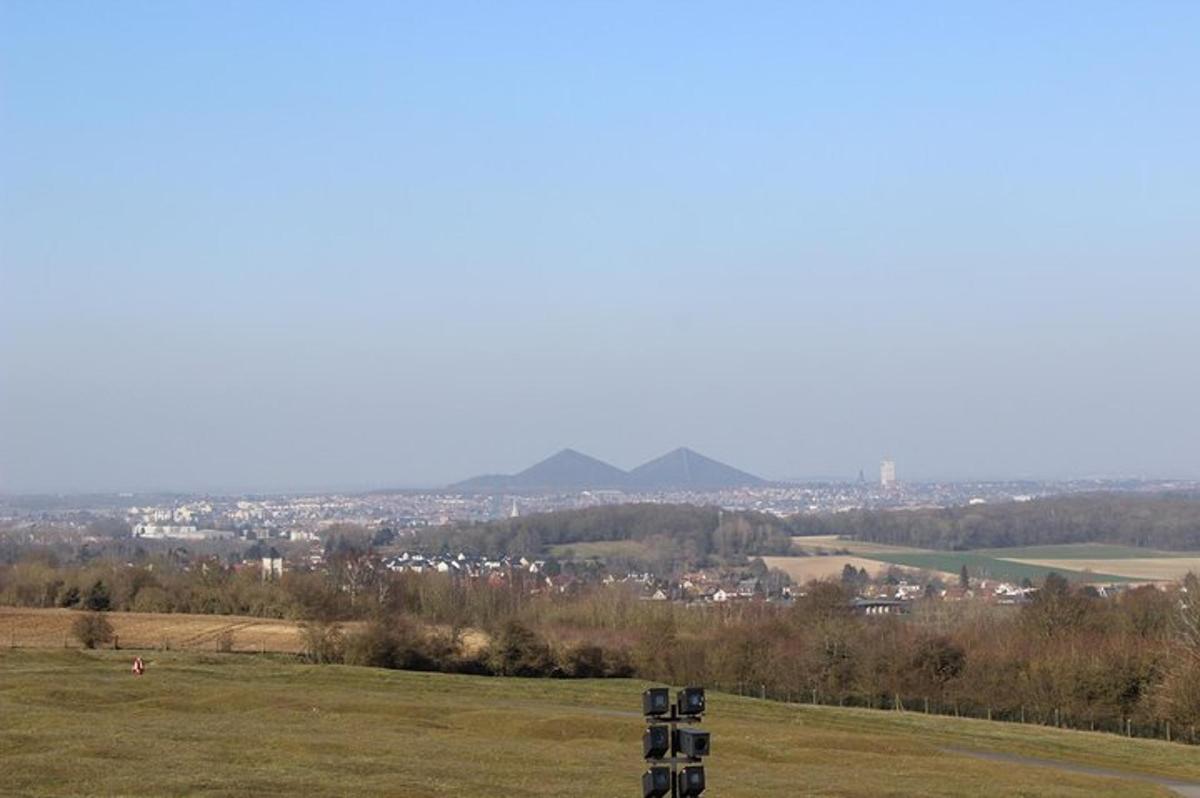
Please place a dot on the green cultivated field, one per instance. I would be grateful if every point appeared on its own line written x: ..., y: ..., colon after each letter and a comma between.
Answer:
x: 996, y: 564
x: 986, y: 566
x: 602, y: 549
x: 1083, y: 551
x: 77, y: 723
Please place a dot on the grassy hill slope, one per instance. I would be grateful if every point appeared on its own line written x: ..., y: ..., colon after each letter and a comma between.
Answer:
x: 75, y: 723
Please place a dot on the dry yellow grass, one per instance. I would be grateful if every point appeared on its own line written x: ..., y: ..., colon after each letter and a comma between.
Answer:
x: 831, y: 543
x: 1152, y: 569
x: 475, y: 640
x: 22, y: 627
x: 34, y: 628
x: 806, y: 569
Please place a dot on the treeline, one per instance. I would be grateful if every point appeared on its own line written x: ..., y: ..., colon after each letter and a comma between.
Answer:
x: 159, y: 584
x: 353, y: 586
x: 1068, y: 659
x: 686, y: 536
x: 355, y: 611
x: 513, y: 649
x: 692, y: 534
x: 1130, y: 663
x: 1164, y: 521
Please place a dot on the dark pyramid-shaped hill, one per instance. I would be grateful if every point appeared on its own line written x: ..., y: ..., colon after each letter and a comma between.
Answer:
x: 566, y: 470
x: 684, y: 468
x: 570, y: 468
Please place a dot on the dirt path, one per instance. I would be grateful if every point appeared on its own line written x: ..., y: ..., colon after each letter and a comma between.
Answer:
x: 1189, y: 789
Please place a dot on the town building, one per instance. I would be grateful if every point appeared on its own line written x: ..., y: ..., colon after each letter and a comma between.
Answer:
x: 887, y: 473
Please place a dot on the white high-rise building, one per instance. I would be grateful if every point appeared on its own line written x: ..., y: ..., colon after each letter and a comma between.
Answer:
x: 887, y: 473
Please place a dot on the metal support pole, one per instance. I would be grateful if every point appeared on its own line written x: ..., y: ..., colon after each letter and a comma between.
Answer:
x: 674, y: 766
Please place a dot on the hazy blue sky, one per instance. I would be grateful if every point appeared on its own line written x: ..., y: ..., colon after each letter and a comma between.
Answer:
x: 292, y: 245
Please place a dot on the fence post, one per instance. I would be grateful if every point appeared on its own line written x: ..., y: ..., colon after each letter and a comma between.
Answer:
x: 1168, y: 731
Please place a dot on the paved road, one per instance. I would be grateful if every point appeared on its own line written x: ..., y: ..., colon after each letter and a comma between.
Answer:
x: 1188, y: 789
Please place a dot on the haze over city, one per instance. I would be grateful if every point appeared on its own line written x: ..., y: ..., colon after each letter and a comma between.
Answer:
x: 402, y: 249
x: 395, y: 398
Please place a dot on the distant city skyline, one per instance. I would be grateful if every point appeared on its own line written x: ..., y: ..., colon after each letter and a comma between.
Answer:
x: 886, y: 467
x: 387, y: 245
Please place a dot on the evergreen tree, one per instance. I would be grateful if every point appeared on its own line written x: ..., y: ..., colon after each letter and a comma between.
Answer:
x: 97, y: 599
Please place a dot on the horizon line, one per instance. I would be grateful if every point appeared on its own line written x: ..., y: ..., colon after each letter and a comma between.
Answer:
x: 446, y: 489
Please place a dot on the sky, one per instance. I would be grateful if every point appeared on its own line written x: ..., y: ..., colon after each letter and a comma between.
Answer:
x: 299, y: 246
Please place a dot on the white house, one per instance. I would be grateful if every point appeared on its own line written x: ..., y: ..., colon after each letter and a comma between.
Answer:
x: 272, y: 565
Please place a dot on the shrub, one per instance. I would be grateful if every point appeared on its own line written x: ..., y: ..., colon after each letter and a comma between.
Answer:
x: 151, y: 599
x: 374, y: 646
x: 323, y: 642
x: 97, y: 598
x: 400, y: 644
x: 70, y: 597
x: 584, y: 662
x: 92, y: 629
x: 1178, y: 697
x: 617, y: 663
x: 518, y: 651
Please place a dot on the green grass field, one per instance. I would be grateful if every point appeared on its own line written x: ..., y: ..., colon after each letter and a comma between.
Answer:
x: 77, y: 723
x: 602, y: 549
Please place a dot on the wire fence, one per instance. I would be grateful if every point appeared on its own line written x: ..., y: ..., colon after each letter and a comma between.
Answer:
x: 1112, y: 723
